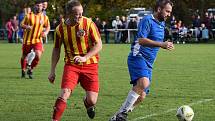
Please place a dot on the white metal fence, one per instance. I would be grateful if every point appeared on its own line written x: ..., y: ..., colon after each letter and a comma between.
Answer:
x: 3, y: 33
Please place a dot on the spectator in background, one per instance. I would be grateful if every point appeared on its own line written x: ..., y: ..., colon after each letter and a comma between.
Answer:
x: 179, y: 24
x: 210, y: 29
x: 117, y: 24
x: 206, y: 21
x: 54, y: 23
x: 15, y: 24
x: 124, y: 26
x: 183, y: 33
x: 204, y: 33
x: 197, y: 13
x: 98, y: 23
x: 9, y: 28
x: 213, y: 26
x: 197, y: 21
x: 104, y: 27
x: 133, y: 25
x: 175, y: 32
x: 173, y: 21
x: 173, y: 29
x: 137, y: 19
x: 211, y: 16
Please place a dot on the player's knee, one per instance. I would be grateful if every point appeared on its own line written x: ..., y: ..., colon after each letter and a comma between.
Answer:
x: 143, y: 83
x: 91, y: 100
x: 65, y: 93
x: 91, y: 97
x: 38, y: 54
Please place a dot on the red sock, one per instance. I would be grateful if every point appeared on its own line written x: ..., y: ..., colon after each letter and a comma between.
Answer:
x: 60, y: 106
x: 23, y: 63
x: 35, y: 62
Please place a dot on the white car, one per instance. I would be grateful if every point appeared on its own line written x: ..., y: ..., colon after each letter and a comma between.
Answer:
x: 134, y: 12
x: 141, y: 14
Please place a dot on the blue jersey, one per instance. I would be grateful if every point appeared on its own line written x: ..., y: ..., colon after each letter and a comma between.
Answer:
x: 152, y: 29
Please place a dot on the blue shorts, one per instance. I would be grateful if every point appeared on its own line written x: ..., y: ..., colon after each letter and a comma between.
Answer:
x: 138, y: 68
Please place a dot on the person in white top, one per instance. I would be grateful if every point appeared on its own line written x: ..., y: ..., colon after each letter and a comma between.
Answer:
x: 117, y: 24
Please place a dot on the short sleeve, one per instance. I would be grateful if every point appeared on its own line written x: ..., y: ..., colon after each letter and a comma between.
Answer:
x: 58, y: 37
x: 143, y: 28
x: 94, y: 33
x: 47, y: 23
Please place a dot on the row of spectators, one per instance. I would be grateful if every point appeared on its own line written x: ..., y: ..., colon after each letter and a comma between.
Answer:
x: 122, y: 22
x: 202, y: 28
x: 12, y: 27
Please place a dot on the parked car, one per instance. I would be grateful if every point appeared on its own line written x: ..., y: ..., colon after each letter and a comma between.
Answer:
x: 134, y: 12
x: 141, y: 14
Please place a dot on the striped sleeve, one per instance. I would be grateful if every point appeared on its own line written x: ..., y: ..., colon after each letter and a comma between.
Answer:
x: 94, y: 33
x: 47, y: 23
x: 57, y: 37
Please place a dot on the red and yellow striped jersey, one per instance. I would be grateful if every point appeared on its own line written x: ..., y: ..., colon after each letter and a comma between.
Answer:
x: 37, y: 22
x: 77, y: 39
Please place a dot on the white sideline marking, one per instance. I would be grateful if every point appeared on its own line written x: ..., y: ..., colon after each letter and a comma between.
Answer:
x: 170, y: 110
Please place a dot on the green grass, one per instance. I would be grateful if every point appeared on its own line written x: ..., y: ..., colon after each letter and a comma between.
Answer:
x: 183, y: 76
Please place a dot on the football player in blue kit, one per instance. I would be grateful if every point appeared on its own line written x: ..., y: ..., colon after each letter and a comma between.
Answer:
x: 143, y: 53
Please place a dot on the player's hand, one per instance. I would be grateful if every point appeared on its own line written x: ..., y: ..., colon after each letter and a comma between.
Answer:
x: 44, y: 34
x: 79, y: 59
x: 51, y: 77
x: 28, y: 28
x: 168, y: 45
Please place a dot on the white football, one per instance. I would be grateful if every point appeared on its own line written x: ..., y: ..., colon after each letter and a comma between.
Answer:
x: 185, y: 113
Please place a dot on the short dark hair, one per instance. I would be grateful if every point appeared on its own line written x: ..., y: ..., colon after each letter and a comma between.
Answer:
x: 70, y: 4
x: 162, y: 4
x: 39, y: 1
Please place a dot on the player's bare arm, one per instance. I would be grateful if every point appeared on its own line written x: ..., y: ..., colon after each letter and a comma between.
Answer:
x: 147, y: 42
x: 96, y: 48
x: 55, y: 59
x: 45, y: 33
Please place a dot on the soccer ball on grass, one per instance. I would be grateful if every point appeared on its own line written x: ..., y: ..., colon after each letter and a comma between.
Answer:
x: 185, y: 113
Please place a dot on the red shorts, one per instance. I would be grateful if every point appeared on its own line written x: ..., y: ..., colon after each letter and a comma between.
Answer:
x: 27, y: 48
x: 87, y: 75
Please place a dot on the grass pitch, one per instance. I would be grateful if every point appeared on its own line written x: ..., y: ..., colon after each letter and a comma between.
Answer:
x: 183, y: 76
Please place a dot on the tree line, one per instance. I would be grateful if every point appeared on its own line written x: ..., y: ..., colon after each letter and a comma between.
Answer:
x: 105, y: 9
